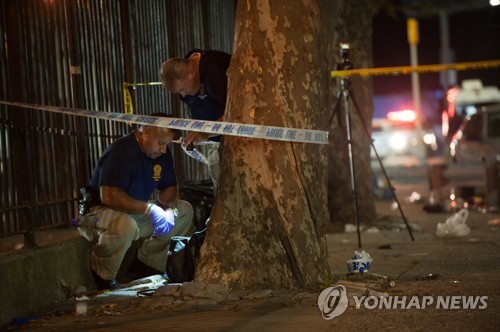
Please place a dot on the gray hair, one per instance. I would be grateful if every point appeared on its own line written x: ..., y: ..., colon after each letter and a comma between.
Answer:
x: 171, y: 70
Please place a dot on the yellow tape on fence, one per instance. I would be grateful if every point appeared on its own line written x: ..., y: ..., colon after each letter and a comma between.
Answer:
x: 127, y: 97
x: 127, y: 101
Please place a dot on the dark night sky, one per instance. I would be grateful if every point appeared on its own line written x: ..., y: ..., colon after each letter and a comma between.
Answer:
x: 474, y: 36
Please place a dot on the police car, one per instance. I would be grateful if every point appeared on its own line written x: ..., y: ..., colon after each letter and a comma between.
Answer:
x: 398, y: 140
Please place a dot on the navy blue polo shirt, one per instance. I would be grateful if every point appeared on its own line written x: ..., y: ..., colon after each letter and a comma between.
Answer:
x: 210, y: 105
x: 125, y: 166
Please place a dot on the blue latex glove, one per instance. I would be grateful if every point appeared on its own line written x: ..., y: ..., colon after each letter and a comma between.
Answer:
x: 162, y: 220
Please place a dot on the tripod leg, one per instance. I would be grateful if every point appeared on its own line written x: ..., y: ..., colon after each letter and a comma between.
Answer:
x: 351, y: 163
x: 383, y: 169
x: 335, y: 108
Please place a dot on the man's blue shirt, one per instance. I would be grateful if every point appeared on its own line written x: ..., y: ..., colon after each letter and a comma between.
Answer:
x: 211, y: 104
x: 125, y: 166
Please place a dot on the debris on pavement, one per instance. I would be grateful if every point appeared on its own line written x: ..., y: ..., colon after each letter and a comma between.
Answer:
x: 494, y: 222
x: 373, y: 229
x: 351, y: 228
x: 355, y: 287
x: 68, y: 291
x: 375, y: 286
x: 455, y: 225
x: 415, y: 197
x: 360, y: 262
x: 81, y: 306
x: 112, y: 313
x: 431, y: 276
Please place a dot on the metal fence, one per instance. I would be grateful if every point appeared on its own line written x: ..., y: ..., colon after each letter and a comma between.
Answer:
x: 78, y: 54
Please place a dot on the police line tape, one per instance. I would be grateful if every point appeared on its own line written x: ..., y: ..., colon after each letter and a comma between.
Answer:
x: 385, y: 71
x: 212, y: 127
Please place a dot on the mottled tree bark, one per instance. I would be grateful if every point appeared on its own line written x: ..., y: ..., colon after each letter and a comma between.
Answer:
x: 267, y: 229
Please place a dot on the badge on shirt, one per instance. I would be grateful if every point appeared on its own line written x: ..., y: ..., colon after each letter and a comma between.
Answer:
x: 156, y: 172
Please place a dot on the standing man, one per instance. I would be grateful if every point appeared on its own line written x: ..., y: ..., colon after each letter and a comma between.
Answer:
x: 115, y: 206
x: 201, y: 82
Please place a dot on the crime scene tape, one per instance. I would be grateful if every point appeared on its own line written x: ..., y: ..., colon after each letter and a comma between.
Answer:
x: 385, y: 71
x: 195, y: 154
x: 213, y: 127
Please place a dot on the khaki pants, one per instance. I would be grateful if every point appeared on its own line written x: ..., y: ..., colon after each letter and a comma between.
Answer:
x: 117, y: 230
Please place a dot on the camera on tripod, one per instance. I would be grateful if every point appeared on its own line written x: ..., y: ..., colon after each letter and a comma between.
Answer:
x: 345, y: 64
x: 344, y: 96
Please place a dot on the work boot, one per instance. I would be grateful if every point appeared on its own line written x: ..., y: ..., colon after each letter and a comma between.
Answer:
x: 103, y: 284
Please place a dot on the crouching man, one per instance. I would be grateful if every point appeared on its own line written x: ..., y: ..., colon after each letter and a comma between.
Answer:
x: 115, y: 206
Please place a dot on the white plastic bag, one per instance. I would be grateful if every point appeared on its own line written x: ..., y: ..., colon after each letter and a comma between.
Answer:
x: 454, y: 225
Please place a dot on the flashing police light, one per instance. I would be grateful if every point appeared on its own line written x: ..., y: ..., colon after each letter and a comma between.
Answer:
x: 402, y: 116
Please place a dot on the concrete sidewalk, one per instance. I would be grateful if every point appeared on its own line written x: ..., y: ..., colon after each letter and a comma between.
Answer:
x: 429, y: 266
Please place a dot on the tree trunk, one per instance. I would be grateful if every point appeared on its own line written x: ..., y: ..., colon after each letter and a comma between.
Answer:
x: 268, y: 225
x: 352, y: 24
